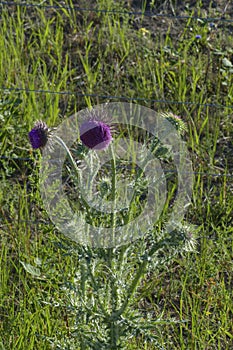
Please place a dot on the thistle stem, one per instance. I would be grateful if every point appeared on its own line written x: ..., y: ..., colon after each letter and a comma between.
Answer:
x: 113, y: 194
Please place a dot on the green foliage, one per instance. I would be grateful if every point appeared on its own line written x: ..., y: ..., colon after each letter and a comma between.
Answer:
x: 52, y: 291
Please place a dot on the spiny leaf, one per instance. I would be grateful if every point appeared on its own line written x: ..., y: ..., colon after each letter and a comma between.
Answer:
x: 34, y: 271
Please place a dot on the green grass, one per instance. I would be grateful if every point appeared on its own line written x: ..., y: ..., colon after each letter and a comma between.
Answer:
x: 109, y: 54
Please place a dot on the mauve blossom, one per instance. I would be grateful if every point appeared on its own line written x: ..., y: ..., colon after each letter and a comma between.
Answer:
x: 38, y: 136
x: 95, y: 134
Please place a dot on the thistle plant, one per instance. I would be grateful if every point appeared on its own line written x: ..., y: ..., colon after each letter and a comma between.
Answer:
x: 102, y: 296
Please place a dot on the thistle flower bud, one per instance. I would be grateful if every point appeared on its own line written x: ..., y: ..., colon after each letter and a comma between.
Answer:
x: 176, y: 121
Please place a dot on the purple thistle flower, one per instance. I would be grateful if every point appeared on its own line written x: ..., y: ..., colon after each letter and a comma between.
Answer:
x: 95, y: 134
x: 38, y: 136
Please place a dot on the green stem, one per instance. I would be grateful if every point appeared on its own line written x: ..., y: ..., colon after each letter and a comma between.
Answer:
x: 136, y: 280
x: 62, y: 143
x: 113, y: 326
x: 114, y: 332
x: 140, y: 273
x: 113, y: 193
x: 75, y: 168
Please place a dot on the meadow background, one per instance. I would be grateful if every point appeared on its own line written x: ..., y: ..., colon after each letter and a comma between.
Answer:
x: 57, y: 57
